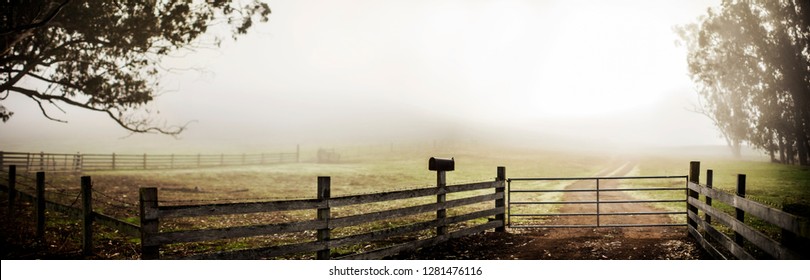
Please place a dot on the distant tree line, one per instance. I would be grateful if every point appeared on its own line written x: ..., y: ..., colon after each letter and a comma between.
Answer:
x: 751, y: 63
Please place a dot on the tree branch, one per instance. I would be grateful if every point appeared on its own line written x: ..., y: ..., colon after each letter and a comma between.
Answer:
x: 45, y: 113
x: 41, y: 23
x: 135, y: 126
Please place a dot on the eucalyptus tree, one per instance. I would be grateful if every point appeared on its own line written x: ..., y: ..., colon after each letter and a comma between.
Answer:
x: 105, y: 55
x: 751, y: 62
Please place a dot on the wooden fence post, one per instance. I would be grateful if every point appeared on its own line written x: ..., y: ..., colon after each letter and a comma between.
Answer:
x: 113, y: 161
x: 694, y: 177
x: 1, y: 161
x: 40, y: 206
x: 12, y: 189
x: 41, y: 161
x: 87, y: 216
x: 171, y: 162
x: 500, y: 202
x: 740, y: 213
x: 144, y: 161
x: 709, y: 182
x: 324, y: 193
x: 792, y: 240
x: 441, y: 198
x: 149, y: 223
x: 78, y: 162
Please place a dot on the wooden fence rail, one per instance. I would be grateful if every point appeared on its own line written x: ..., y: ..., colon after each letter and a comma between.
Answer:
x: 789, y: 223
x: 151, y: 214
x: 33, y: 162
x: 153, y: 238
x: 84, y: 212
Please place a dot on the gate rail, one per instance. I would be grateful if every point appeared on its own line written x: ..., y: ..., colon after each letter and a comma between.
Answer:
x: 597, y: 202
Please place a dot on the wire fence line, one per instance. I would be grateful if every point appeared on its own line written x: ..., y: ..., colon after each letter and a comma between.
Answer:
x: 53, y: 162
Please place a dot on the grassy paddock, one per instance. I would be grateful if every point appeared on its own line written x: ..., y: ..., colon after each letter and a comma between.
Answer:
x: 116, y: 192
x: 382, y: 170
x: 776, y: 185
x: 773, y: 184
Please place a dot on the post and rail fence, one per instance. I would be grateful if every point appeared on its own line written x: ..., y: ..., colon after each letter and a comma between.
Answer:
x: 704, y: 228
x: 745, y: 238
x: 84, y: 212
x: 52, y: 162
x: 152, y: 238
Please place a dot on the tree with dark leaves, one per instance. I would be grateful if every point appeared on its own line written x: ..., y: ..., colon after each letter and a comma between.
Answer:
x: 105, y: 55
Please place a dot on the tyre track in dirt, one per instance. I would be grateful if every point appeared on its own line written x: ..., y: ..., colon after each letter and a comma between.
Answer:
x: 580, y: 243
x: 621, y: 170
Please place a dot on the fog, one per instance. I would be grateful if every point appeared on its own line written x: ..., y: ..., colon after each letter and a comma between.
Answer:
x: 542, y: 74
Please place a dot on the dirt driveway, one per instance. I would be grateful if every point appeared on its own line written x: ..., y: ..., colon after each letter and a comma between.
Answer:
x: 646, y: 243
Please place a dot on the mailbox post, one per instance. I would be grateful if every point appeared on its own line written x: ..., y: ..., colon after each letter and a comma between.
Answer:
x: 441, y: 166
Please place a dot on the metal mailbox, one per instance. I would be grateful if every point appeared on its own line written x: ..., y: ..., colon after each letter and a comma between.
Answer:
x: 441, y: 164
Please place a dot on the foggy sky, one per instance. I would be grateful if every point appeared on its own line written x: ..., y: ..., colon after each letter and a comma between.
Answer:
x: 337, y: 72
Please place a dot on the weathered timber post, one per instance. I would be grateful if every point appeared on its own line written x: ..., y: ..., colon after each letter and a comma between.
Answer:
x: 500, y: 202
x: 739, y: 212
x: 78, y: 162
x: 709, y: 182
x: 792, y: 240
x: 12, y: 189
x: 40, y: 206
x: 113, y: 161
x: 694, y: 177
x: 87, y: 216
x: 441, y: 198
x: 324, y: 193
x: 1, y: 160
x: 298, y: 153
x: 41, y: 161
x: 441, y: 166
x: 144, y: 161
x: 171, y: 162
x: 149, y: 223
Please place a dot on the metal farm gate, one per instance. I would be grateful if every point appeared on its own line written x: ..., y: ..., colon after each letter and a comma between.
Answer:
x: 590, y: 202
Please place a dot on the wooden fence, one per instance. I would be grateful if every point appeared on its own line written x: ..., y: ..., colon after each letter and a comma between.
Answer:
x: 724, y: 247
x: 151, y: 215
x: 84, y: 212
x: 33, y: 162
x: 153, y: 238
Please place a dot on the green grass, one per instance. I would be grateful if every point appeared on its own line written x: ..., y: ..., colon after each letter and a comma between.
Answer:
x: 776, y: 185
x: 382, y: 171
x: 773, y: 184
x: 372, y: 173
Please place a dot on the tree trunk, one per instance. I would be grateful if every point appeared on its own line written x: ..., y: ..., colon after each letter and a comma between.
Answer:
x: 736, y: 150
x: 801, y: 148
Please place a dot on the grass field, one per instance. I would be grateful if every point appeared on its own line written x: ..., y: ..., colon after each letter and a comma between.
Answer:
x: 380, y: 171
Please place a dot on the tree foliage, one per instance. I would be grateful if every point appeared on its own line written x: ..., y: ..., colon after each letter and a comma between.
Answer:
x: 106, y: 55
x: 751, y: 62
